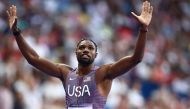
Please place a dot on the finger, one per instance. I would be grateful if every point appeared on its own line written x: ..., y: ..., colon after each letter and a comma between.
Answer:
x: 8, y: 13
x: 151, y: 10
x: 143, y: 7
x: 146, y: 6
x: 14, y: 11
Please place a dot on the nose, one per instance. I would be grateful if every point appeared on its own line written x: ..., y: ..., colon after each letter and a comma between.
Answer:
x: 86, y: 50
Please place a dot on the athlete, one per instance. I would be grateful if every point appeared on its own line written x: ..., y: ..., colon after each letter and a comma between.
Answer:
x: 86, y: 86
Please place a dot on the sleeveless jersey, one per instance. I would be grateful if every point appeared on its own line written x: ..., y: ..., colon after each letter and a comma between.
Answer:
x: 81, y: 91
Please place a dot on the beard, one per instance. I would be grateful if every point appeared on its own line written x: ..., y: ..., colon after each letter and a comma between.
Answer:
x: 85, y: 62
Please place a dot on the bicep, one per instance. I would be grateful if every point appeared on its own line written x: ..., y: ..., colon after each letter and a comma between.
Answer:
x: 120, y: 67
x: 50, y: 68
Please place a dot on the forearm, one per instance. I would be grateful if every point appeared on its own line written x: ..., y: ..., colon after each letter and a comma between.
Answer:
x: 41, y: 64
x: 140, y: 44
x: 25, y: 49
x: 126, y: 63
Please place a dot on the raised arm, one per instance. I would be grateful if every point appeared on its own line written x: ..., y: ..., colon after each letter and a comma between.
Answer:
x: 128, y: 62
x: 57, y: 70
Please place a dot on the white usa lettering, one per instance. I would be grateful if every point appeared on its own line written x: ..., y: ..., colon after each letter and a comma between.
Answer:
x: 78, y: 90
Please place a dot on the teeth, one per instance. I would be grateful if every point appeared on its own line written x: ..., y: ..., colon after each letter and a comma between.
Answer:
x: 85, y: 55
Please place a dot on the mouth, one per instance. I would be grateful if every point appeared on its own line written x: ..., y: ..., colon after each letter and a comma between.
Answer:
x: 85, y: 56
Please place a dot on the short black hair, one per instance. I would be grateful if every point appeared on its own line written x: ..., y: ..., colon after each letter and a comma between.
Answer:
x: 86, y: 39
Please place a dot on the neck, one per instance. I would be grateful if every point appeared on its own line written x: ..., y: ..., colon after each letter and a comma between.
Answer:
x: 84, y: 70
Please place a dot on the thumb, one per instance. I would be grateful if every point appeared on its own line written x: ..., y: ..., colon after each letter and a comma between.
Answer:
x: 134, y: 15
x: 14, y: 26
x: 15, y: 23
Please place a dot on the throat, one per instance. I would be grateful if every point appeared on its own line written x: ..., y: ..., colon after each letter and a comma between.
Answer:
x: 82, y: 71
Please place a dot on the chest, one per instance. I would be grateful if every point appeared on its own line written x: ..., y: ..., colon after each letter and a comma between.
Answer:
x: 77, y: 86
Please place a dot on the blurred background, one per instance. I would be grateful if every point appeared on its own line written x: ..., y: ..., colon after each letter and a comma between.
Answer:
x: 53, y: 28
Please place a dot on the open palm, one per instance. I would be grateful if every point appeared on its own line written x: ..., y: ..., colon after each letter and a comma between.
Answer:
x: 12, y: 17
x: 146, y: 14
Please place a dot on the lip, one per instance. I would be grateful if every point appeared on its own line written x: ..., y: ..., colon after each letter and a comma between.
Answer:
x: 85, y: 56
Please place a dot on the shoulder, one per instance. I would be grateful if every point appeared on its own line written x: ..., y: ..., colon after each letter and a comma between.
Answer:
x: 102, y: 71
x: 104, y: 68
x: 64, y: 68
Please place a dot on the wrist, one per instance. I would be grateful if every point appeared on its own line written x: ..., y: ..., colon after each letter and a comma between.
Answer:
x: 143, y: 29
x: 16, y: 31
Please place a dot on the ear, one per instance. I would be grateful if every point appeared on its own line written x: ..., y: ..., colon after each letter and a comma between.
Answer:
x: 96, y: 54
x: 75, y: 52
x: 76, y: 49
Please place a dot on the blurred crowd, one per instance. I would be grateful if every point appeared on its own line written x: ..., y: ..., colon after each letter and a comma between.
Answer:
x: 53, y: 28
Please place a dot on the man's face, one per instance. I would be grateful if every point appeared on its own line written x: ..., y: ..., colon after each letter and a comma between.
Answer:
x: 86, y: 53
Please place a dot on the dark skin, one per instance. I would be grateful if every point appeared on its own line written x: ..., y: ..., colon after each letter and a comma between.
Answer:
x: 86, y: 51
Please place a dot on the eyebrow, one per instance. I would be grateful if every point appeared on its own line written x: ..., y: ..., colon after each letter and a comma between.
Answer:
x: 88, y: 44
x: 91, y: 45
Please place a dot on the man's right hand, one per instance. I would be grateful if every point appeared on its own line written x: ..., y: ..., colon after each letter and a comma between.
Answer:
x: 11, y: 12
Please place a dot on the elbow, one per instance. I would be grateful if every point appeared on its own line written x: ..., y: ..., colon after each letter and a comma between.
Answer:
x: 30, y: 62
x: 32, y: 59
x: 138, y: 60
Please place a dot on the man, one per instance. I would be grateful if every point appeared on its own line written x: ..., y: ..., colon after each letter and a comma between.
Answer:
x: 86, y: 86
